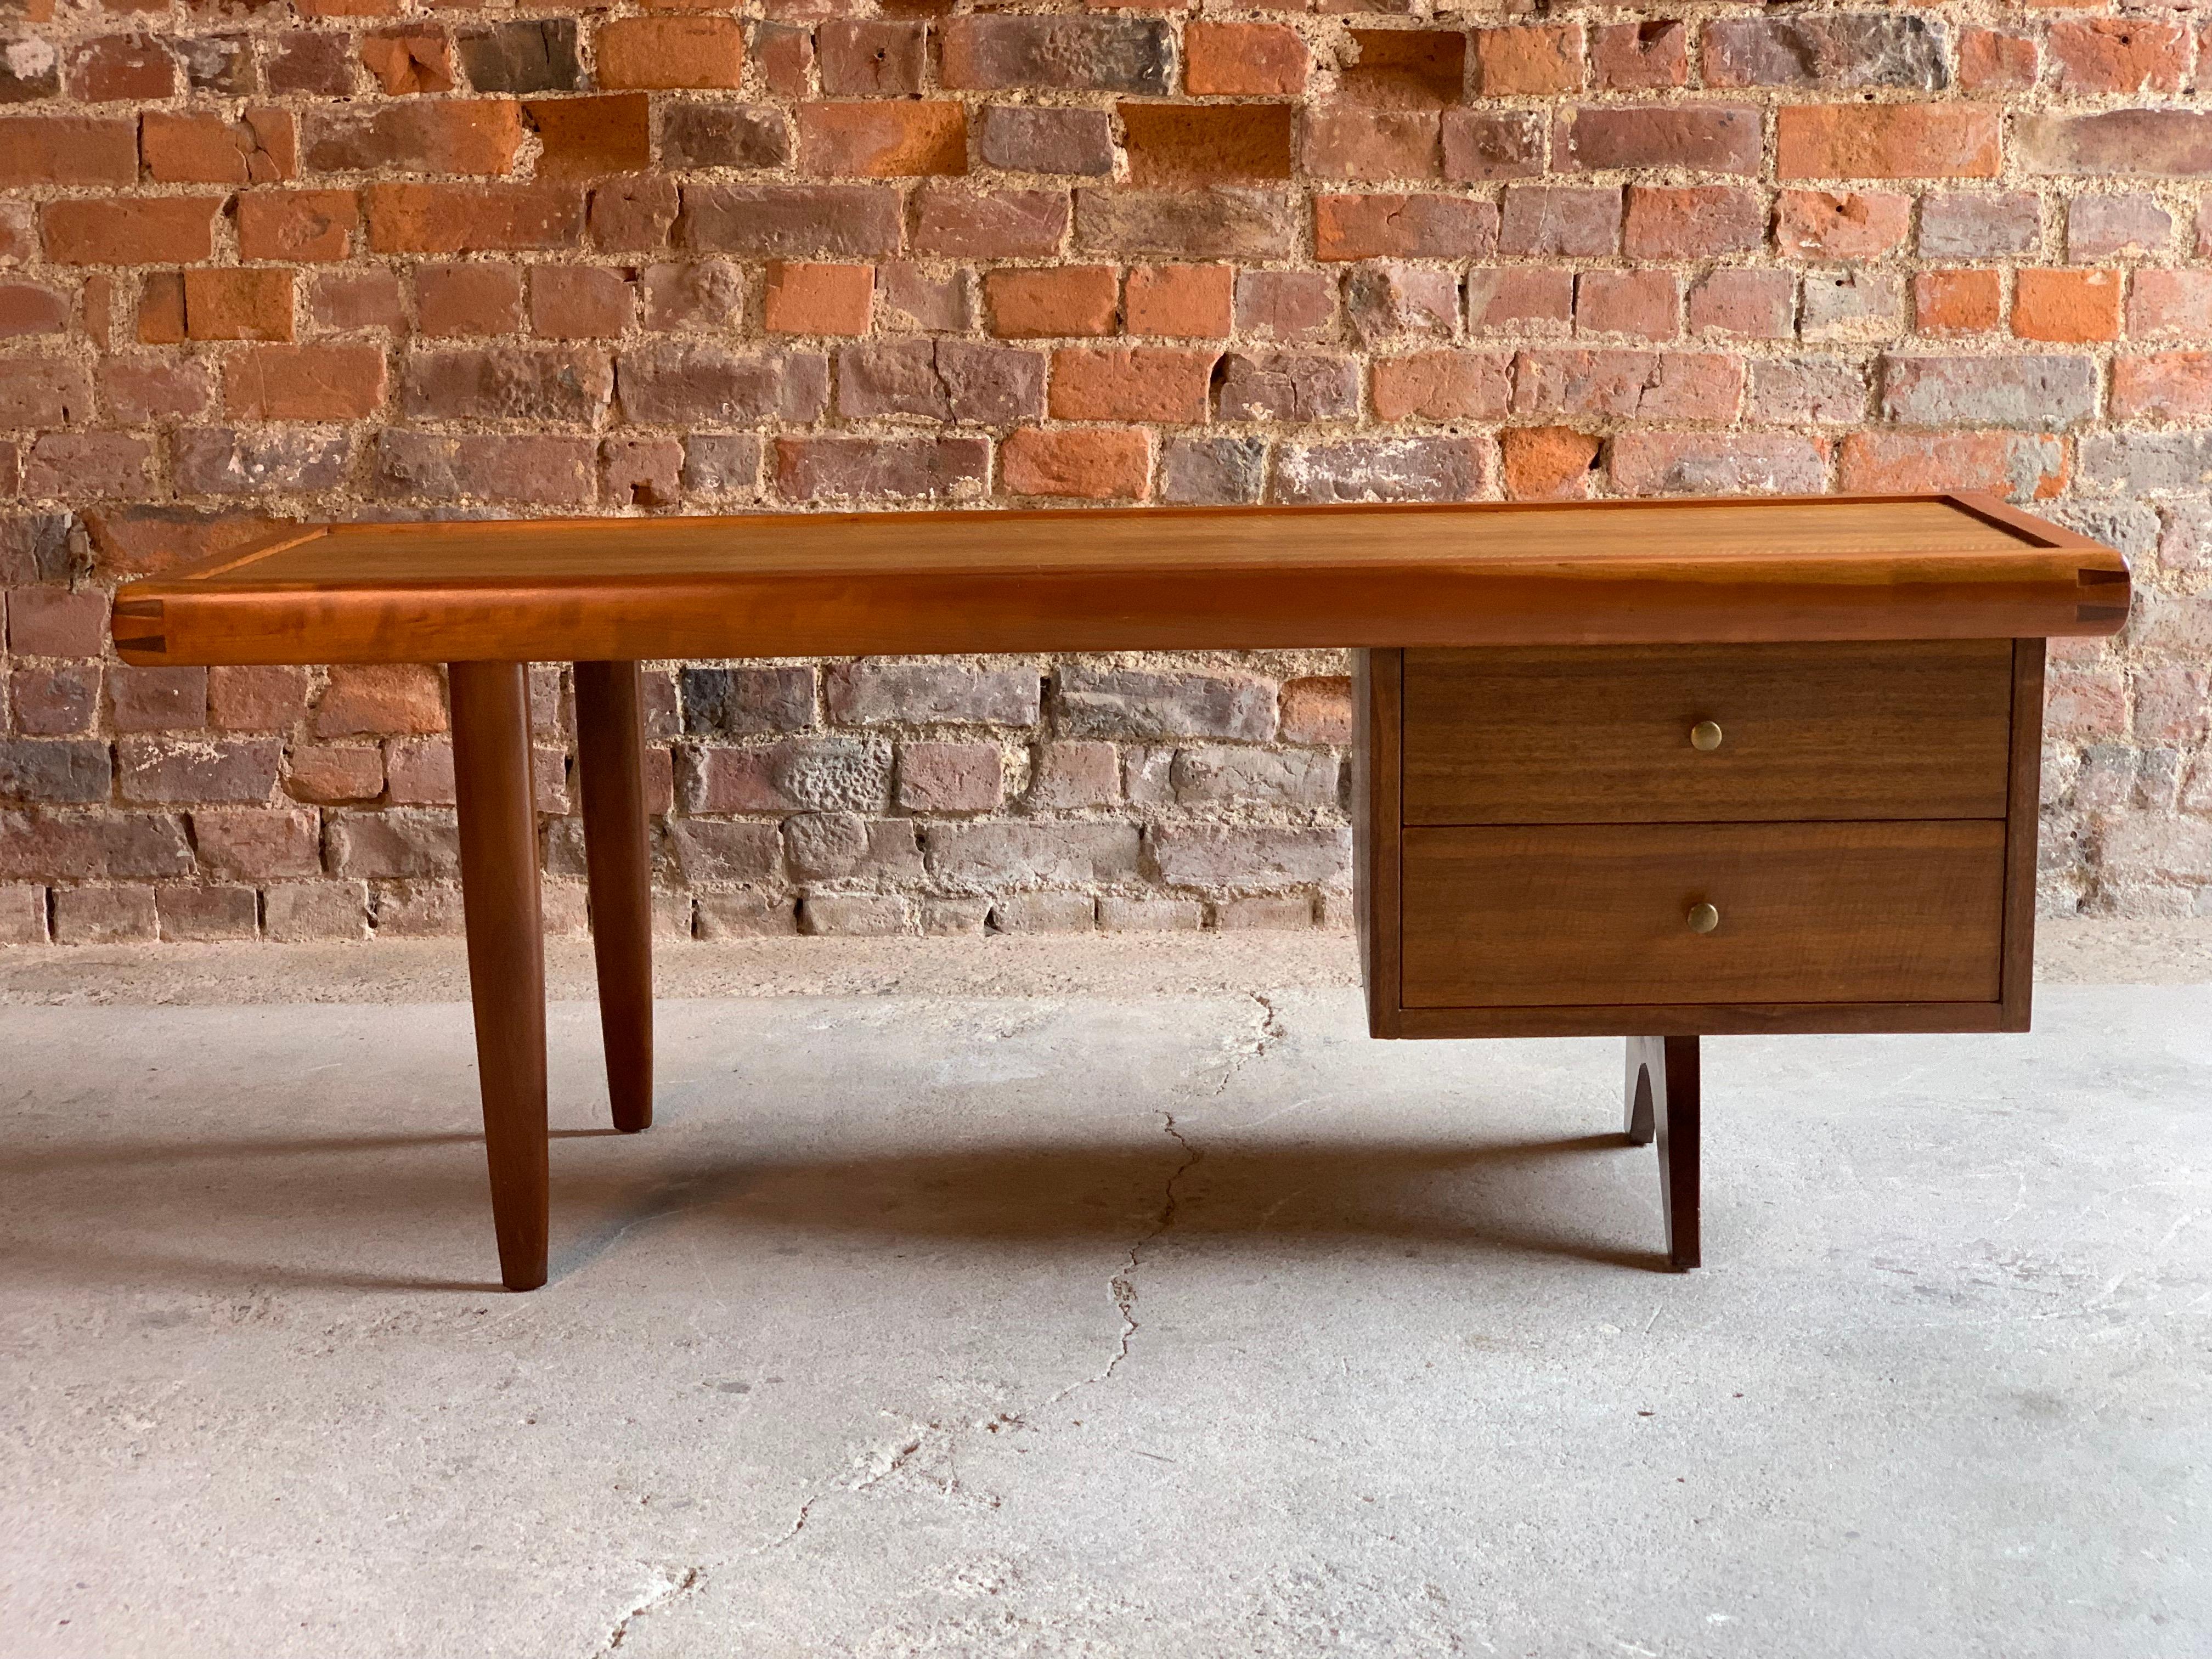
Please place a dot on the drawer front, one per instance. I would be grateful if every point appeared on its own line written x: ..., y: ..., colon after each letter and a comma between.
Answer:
x: 1602, y: 914
x: 1908, y: 729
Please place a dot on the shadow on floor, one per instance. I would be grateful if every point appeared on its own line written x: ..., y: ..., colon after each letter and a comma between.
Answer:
x: 101, y: 1217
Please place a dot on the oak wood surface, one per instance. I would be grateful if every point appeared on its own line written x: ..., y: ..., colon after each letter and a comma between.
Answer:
x: 1897, y: 729
x: 500, y: 909
x: 1161, y: 578
x: 1582, y: 915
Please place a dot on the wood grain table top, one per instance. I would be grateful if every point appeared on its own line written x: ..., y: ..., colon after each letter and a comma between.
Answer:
x: 1931, y: 566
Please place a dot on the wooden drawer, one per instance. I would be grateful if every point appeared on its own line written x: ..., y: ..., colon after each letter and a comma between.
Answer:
x: 1598, y: 914
x: 1916, y: 729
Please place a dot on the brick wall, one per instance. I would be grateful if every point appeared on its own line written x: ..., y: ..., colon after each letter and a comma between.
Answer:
x: 352, y: 258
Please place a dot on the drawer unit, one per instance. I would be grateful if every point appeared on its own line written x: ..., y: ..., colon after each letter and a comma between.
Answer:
x: 1683, y: 840
x: 1689, y: 734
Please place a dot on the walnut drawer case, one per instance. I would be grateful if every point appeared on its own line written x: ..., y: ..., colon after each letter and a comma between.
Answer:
x: 1678, y: 840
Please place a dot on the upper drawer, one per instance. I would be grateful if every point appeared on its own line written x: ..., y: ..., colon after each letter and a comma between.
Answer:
x: 1604, y: 734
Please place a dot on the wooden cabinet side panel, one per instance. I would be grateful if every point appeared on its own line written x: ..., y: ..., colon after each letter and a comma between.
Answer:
x: 2022, y: 818
x: 1377, y: 682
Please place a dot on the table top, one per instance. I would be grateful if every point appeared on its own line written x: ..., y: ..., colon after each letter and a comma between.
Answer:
x: 1136, y: 579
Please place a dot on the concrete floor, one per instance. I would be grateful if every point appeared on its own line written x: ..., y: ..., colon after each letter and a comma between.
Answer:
x: 1131, y: 1321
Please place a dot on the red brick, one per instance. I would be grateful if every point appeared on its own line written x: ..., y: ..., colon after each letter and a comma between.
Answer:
x: 32, y: 308
x: 1521, y: 300
x: 1547, y: 463
x: 161, y: 314
x: 1480, y: 146
x: 441, y: 135
x: 304, y: 383
x: 591, y: 137
x: 77, y: 465
x: 1529, y: 61
x: 895, y: 469
x: 2022, y: 465
x: 1285, y: 305
x: 2172, y: 385
x: 2120, y: 54
x: 345, y: 300
x: 208, y: 150
x: 410, y: 60
x: 1753, y: 304
x: 1173, y: 144
x: 130, y: 230
x: 156, y: 699
x: 1573, y: 221
x: 1130, y: 383
x: 651, y: 53
x: 1700, y: 222
x: 1243, y: 60
x: 579, y: 302
x: 139, y: 389
x: 395, y: 699
x: 259, y: 699
x: 1695, y: 138
x: 1093, y: 463
x: 1443, y: 385
x: 1008, y: 224
x: 871, y: 57
x: 1957, y: 301
x: 2070, y: 305
x: 1189, y: 302
x: 786, y: 57
x: 641, y: 471
x: 1640, y: 56
x: 1733, y: 463
x: 1403, y: 226
x: 818, y: 299
x: 328, y: 776
x: 633, y: 214
x: 2170, y: 302
x: 251, y: 304
x: 1841, y: 224
x: 67, y: 150
x: 1644, y: 303
x: 1067, y: 54
x: 906, y: 138
x: 409, y: 218
x: 1887, y: 141
x: 1994, y: 60
x: 299, y: 225
x: 44, y: 391
x: 115, y: 67
x: 1052, y: 301
x: 56, y: 621
x: 315, y: 64
x: 1024, y: 138
x: 1622, y: 384
x: 1373, y: 143
x: 453, y: 301
x: 256, y: 843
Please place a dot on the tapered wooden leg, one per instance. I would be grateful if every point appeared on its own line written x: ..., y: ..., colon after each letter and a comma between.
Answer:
x: 1662, y: 1102
x: 506, y: 950
x: 617, y: 856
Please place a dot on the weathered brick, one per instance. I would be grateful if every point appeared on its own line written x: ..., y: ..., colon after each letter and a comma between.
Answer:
x: 256, y: 699
x: 538, y: 55
x: 326, y: 775
x: 309, y: 62
x: 1997, y: 60
x: 1749, y: 304
x: 1700, y: 138
x: 1960, y: 225
x: 1226, y: 856
x: 800, y: 298
x: 1698, y: 463
x: 346, y: 302
x: 903, y: 138
x: 1841, y: 224
x: 423, y: 218
x: 408, y: 60
x: 1886, y: 141
x: 724, y: 136
x: 1212, y: 775
x: 2028, y: 393
x: 1074, y: 775
x: 896, y: 469
x: 871, y: 57
x: 988, y: 53
x: 641, y: 471
x: 845, y: 847
x: 653, y: 53
x: 789, y: 221
x: 1573, y: 222
x: 746, y: 916
x: 949, y: 777
x: 1044, y: 913
x: 1403, y: 226
x: 2170, y: 302
x: 160, y: 771
x: 463, y: 136
x: 56, y: 622
x: 940, y: 379
x: 698, y: 293
x: 545, y: 383
x: 44, y: 391
x: 590, y: 137
x: 156, y: 699
x: 2172, y: 385
x: 988, y: 857
x: 1808, y: 392
x: 1024, y: 139
x: 1547, y: 463
x: 115, y: 67
x: 1826, y: 50
x: 130, y: 230
x: 1529, y: 61
x: 1666, y: 386
x: 1053, y: 301
x: 199, y: 914
x: 304, y: 383
x: 403, y: 845
x: 88, y: 464
x: 1091, y: 464
x: 1289, y: 386
x: 1180, y: 301
x: 1641, y: 57
x: 1646, y: 304
x: 1008, y: 224
x: 1212, y: 472
x: 2120, y: 54
x: 2116, y: 144
x: 2069, y: 307
x: 1700, y: 222
x: 1851, y: 304
x: 723, y: 463
x: 1482, y: 145
x: 1443, y: 385
x: 296, y: 225
x: 36, y: 771
x: 1130, y: 383
x: 2129, y: 226
x: 259, y: 149
x: 1404, y: 69
x: 67, y: 150
x: 123, y: 847
x: 103, y: 915
x: 32, y: 308
x: 1385, y: 301
x: 1382, y: 470
x: 711, y: 853
x: 1215, y: 223
x: 1520, y: 300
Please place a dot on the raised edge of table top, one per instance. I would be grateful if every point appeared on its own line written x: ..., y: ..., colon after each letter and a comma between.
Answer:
x: 1153, y: 577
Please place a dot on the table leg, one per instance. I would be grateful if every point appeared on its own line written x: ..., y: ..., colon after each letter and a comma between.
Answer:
x: 506, y: 950
x: 1663, y: 1100
x: 617, y: 856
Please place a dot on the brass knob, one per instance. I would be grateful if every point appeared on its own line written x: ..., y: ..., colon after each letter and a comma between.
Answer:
x: 1703, y: 918
x: 1705, y: 737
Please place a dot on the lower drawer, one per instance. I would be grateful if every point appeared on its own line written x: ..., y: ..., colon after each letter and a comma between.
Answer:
x: 1602, y: 914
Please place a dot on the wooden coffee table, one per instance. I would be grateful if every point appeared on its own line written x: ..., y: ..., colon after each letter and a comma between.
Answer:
x: 1659, y: 769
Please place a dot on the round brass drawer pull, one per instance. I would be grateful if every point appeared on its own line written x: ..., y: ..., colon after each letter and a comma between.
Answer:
x: 1705, y: 737
x: 1703, y: 918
